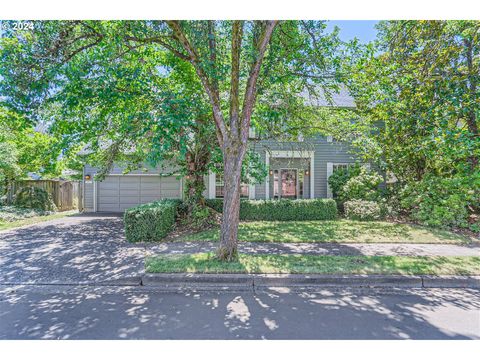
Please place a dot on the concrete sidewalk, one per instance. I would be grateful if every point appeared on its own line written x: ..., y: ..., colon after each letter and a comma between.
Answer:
x: 352, y: 249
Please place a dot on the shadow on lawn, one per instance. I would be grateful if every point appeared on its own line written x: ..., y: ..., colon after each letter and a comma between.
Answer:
x: 334, y: 231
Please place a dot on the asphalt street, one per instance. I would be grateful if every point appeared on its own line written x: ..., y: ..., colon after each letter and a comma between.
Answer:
x: 113, y: 312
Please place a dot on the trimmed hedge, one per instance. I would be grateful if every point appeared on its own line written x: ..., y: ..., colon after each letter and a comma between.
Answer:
x: 150, y: 222
x: 283, y: 209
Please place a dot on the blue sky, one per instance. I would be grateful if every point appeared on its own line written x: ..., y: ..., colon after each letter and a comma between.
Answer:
x: 363, y: 30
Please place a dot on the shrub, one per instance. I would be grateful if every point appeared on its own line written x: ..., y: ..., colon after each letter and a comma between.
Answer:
x: 339, y: 178
x: 14, y: 213
x: 442, y: 201
x: 282, y: 210
x: 196, y: 216
x: 150, y: 222
x: 32, y: 197
x: 364, y: 210
x: 363, y: 186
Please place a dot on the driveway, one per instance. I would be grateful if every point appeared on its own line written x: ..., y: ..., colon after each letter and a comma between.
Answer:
x: 80, y: 249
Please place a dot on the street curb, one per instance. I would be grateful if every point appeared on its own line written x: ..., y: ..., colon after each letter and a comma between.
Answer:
x: 336, y: 280
x: 199, y: 281
x: 125, y: 281
x: 451, y: 281
x: 261, y: 281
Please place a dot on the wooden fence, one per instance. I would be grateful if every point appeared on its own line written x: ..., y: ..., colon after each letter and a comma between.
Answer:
x: 67, y: 195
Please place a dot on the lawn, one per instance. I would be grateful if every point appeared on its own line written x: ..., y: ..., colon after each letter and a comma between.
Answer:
x: 12, y: 217
x: 315, y: 264
x: 341, y: 231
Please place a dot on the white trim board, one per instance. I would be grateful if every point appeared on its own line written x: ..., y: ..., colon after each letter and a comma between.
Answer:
x: 211, y: 185
x: 94, y: 196
x: 159, y: 175
x: 267, y: 180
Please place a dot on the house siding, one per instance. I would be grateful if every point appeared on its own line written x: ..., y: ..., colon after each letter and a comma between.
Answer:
x: 323, y: 152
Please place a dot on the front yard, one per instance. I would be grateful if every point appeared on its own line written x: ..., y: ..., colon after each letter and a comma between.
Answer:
x: 340, y: 231
x: 13, y: 217
x: 314, y: 264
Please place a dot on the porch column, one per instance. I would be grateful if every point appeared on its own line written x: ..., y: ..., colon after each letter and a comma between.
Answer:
x: 267, y: 179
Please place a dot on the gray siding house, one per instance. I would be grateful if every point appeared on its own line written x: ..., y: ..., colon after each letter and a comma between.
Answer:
x: 296, y: 170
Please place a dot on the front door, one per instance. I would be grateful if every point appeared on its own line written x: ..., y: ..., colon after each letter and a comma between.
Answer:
x: 289, y: 183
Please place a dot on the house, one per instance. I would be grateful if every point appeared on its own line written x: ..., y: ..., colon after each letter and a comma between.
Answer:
x: 297, y: 170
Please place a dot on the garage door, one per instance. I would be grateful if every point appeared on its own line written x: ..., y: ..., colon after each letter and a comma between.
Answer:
x: 117, y: 193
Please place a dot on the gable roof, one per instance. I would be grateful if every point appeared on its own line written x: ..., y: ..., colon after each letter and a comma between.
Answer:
x: 340, y: 98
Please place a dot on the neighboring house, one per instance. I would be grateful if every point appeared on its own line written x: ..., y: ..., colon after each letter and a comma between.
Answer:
x: 297, y: 170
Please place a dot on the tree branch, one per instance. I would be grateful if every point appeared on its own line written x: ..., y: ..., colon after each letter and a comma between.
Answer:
x: 195, y: 61
x: 237, y: 33
x: 212, y: 44
x: 158, y: 40
x: 250, y: 90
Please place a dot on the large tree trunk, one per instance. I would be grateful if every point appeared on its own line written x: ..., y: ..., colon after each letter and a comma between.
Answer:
x: 232, y: 138
x: 194, y: 188
x: 232, y: 165
x: 194, y: 181
x: 197, y: 160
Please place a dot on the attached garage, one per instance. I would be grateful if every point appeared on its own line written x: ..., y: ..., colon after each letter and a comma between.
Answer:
x: 119, y: 192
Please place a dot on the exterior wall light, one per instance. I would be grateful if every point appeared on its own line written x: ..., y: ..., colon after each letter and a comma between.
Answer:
x: 271, y: 172
x: 307, y: 172
x: 88, y: 177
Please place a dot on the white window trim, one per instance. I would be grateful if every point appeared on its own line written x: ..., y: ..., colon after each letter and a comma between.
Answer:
x: 212, y: 181
x: 251, y: 191
x: 211, y: 185
x: 330, y: 166
x: 290, y: 154
x: 329, y: 173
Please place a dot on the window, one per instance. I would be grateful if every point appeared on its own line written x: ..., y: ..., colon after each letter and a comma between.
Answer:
x: 252, y: 133
x: 341, y: 166
x: 276, y: 193
x: 301, y: 180
x: 220, y: 187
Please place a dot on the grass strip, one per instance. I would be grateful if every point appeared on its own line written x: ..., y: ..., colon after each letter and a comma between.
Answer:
x: 315, y: 264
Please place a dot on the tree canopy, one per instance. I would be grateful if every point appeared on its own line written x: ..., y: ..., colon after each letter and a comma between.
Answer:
x: 160, y: 90
x: 417, y: 96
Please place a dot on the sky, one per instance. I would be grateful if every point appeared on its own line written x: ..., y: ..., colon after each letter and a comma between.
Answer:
x: 363, y: 30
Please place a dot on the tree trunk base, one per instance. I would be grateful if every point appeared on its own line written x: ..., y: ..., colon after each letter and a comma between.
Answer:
x: 226, y: 254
